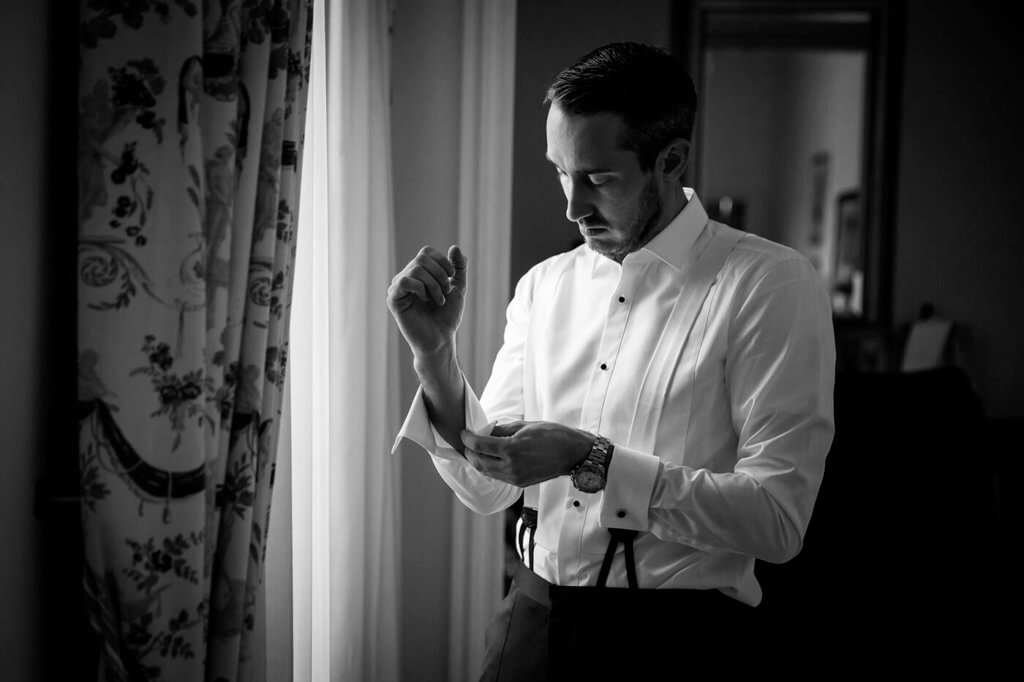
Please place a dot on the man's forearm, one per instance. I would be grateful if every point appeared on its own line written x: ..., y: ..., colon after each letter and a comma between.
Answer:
x: 444, y: 392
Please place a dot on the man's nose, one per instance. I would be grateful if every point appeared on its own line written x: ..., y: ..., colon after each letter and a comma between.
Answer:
x: 579, y: 200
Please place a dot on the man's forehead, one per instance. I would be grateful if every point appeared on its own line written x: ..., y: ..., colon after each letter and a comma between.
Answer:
x: 591, y: 141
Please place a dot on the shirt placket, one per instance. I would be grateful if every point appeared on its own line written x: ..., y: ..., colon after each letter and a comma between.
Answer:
x: 581, y: 513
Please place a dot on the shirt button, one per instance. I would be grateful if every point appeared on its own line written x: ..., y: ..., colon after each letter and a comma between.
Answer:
x: 622, y: 299
x: 604, y: 366
x: 575, y: 503
x: 621, y: 513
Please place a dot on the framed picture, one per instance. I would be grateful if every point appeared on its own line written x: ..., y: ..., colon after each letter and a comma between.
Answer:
x: 849, y: 235
x: 848, y: 275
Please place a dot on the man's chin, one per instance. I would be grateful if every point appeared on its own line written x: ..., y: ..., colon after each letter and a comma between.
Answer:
x: 608, y: 249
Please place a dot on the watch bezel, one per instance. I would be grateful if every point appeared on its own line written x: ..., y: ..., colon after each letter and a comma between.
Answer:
x: 594, y: 468
x: 588, y: 478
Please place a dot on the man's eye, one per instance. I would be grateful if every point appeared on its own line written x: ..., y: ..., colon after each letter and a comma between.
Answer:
x: 597, y: 180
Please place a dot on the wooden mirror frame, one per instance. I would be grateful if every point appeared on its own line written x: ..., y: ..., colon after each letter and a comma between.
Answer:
x: 877, y: 27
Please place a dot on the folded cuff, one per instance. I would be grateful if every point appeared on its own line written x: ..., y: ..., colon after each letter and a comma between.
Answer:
x: 627, y: 494
x: 420, y: 430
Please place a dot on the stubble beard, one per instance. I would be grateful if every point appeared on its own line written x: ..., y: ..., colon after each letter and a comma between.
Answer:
x: 648, y: 214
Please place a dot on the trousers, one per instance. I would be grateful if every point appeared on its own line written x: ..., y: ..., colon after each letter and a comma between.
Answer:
x: 549, y: 632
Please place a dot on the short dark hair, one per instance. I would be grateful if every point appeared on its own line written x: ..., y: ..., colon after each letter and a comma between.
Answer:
x: 642, y: 83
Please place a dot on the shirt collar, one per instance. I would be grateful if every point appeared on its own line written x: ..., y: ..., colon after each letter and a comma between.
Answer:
x: 674, y: 244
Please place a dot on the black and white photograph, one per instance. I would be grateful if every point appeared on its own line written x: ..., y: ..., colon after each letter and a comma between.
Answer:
x: 511, y: 340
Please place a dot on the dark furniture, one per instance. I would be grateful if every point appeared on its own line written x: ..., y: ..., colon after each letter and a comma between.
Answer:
x: 905, y: 553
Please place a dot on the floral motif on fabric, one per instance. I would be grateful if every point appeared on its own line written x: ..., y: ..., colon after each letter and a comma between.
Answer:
x: 185, y: 258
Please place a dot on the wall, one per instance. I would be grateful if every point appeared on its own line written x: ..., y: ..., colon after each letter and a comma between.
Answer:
x: 552, y: 34
x: 40, y: 580
x: 740, y: 154
x: 426, y: 69
x: 24, y: 41
x: 959, y: 234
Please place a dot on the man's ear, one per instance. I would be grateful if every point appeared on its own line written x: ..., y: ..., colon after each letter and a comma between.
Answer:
x: 673, y: 159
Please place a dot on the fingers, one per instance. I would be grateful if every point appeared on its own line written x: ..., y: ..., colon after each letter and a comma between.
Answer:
x: 427, y: 276
x: 434, y: 270
x: 436, y: 261
x: 434, y: 288
x: 506, y: 430
x: 403, y: 285
x: 431, y: 276
x: 485, y: 445
x: 460, y: 266
x: 485, y: 464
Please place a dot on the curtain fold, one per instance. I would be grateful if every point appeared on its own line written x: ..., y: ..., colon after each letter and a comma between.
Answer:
x: 485, y: 227
x: 190, y: 122
x: 344, y: 389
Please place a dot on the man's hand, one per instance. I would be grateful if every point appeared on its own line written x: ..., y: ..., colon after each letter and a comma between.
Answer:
x: 427, y: 299
x: 524, y: 453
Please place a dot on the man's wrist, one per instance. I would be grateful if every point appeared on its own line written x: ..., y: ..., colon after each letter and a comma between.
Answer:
x: 581, y: 451
x: 439, y: 363
x: 443, y: 392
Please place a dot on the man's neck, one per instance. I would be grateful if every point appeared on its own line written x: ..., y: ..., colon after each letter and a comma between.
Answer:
x: 671, y: 207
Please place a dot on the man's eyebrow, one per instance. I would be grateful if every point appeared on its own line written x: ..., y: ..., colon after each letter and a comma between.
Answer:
x: 585, y: 171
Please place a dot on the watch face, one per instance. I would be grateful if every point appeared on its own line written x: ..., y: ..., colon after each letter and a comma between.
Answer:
x: 588, y: 479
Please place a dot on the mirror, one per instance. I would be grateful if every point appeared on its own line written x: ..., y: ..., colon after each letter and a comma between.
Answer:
x: 793, y: 137
x: 785, y: 167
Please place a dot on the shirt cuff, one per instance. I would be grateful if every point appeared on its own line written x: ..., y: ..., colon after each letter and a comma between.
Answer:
x: 627, y: 493
x: 420, y: 430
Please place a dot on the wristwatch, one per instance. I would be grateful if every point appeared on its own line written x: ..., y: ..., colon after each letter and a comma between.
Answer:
x: 590, y: 475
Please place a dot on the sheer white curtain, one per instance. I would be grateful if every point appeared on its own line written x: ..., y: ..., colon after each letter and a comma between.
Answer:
x: 344, y: 390
x: 485, y: 217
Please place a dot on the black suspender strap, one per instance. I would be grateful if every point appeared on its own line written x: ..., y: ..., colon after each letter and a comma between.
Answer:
x: 630, y: 561
x: 529, y: 519
x: 618, y: 535
x: 626, y: 538
x: 533, y: 532
x: 522, y: 538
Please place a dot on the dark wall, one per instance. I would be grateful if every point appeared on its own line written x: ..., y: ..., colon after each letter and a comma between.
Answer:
x: 426, y: 67
x: 23, y: 37
x: 40, y: 577
x: 550, y: 35
x: 960, y: 234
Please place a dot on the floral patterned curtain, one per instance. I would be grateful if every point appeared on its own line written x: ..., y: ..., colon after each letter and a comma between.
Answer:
x: 191, y: 115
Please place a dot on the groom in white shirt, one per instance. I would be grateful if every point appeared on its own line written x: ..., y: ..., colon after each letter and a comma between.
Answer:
x: 663, y: 397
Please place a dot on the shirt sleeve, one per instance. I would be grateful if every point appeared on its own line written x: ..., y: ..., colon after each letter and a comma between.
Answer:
x: 779, y: 377
x: 502, y: 400
x: 480, y: 493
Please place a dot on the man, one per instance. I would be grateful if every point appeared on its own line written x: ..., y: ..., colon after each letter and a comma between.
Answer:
x: 664, y: 393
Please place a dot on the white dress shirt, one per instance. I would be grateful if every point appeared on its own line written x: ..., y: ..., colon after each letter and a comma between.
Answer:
x: 717, y: 397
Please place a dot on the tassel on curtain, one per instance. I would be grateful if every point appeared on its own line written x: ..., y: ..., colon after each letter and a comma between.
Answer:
x: 190, y: 122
